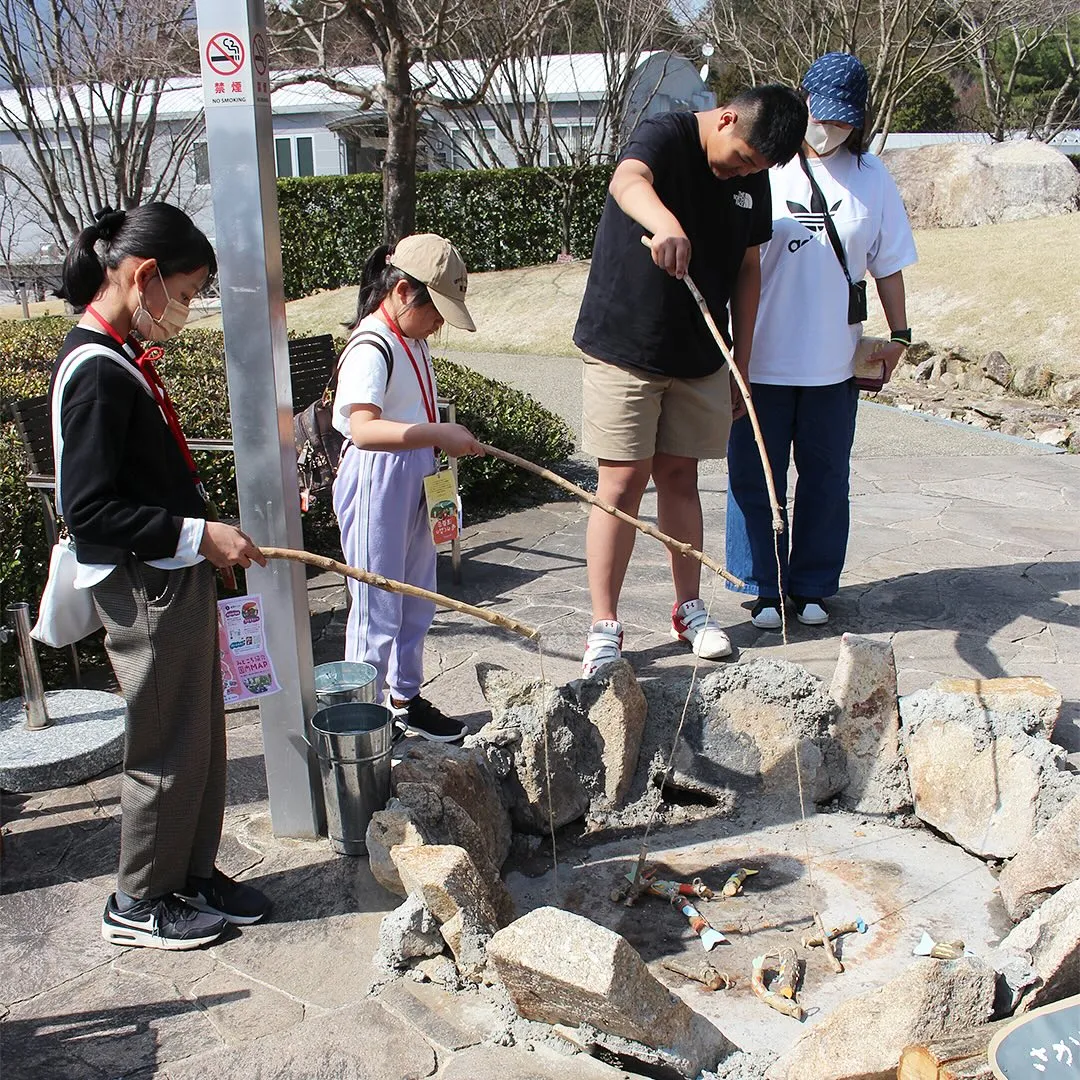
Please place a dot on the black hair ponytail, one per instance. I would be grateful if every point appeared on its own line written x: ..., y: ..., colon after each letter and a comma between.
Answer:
x: 155, y: 231
x: 377, y: 279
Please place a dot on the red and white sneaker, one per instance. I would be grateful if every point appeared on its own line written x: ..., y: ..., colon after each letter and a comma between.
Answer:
x: 602, y: 646
x: 692, y: 623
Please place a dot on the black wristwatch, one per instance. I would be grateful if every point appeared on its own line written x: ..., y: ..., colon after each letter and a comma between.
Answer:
x: 901, y: 337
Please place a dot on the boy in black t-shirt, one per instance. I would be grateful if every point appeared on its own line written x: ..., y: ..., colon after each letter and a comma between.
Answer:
x: 655, y: 398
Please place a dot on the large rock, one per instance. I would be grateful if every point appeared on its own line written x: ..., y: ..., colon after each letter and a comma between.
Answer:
x: 863, y: 1038
x: 467, y: 810
x: 953, y: 184
x: 1050, y: 941
x: 560, y: 968
x: 616, y: 709
x: 407, y: 933
x: 1029, y: 701
x: 1050, y: 860
x: 392, y: 826
x: 868, y: 726
x: 742, y: 729
x: 977, y: 774
x: 560, y: 749
x: 468, y: 908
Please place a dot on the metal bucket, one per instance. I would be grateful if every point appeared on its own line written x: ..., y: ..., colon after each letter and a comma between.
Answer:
x: 353, y: 744
x: 344, y: 681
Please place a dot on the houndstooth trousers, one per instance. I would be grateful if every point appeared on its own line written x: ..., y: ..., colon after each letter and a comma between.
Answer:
x: 161, y: 636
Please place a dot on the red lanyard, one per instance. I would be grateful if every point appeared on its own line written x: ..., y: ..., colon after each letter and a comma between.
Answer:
x: 426, y: 393
x: 144, y: 361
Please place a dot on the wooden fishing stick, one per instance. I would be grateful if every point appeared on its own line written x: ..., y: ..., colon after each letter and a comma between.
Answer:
x: 321, y: 562
x: 678, y: 546
x: 703, y: 307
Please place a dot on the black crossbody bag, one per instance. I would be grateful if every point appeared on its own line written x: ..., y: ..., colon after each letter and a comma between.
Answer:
x: 856, y: 289
x: 319, y: 445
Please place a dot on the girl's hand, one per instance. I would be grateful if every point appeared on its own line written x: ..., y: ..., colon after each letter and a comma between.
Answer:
x: 891, y: 354
x: 224, y: 545
x: 456, y: 440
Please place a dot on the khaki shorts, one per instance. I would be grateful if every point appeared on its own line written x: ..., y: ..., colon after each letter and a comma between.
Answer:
x: 632, y: 415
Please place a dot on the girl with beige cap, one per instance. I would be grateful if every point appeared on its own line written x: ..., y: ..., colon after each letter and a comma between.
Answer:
x: 385, y: 406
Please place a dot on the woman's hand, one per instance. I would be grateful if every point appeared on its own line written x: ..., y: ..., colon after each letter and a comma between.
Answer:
x: 890, y: 355
x: 225, y: 545
x: 457, y: 440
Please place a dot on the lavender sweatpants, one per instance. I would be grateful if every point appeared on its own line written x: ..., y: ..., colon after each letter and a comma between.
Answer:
x: 382, y: 513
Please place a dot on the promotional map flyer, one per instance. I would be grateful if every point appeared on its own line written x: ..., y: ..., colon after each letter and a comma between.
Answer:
x: 246, y: 668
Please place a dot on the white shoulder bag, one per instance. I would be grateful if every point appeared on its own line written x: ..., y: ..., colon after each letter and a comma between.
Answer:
x: 67, y: 614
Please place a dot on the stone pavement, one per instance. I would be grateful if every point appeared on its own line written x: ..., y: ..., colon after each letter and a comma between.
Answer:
x: 965, y: 550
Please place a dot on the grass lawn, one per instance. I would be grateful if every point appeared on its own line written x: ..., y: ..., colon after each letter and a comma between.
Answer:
x: 1011, y: 287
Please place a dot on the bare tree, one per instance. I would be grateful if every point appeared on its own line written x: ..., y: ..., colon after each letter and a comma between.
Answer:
x: 901, y: 42
x: 1028, y: 62
x: 539, y: 102
x: 410, y: 39
x: 87, y: 82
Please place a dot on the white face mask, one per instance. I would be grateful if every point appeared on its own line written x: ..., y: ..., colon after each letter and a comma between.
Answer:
x: 825, y: 138
x: 167, y: 325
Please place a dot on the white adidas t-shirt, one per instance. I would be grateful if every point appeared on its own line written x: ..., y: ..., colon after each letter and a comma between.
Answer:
x: 367, y: 377
x: 802, y: 336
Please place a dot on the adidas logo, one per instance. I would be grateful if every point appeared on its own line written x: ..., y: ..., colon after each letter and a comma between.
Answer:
x: 815, y: 222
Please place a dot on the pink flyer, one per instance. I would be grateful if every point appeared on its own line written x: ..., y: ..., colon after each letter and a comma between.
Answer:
x: 246, y: 668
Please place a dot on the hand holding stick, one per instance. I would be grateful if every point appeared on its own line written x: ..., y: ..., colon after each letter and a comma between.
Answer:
x: 321, y: 562
x: 736, y: 374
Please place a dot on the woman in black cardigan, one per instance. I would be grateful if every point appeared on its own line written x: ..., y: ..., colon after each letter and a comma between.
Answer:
x: 147, y: 548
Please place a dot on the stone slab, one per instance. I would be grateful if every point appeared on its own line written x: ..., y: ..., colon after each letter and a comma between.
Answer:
x: 526, y: 1063
x: 106, y: 1023
x: 448, y: 1021
x: 85, y: 738
x: 363, y: 1042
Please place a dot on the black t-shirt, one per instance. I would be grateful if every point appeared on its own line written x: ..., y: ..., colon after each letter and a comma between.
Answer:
x: 633, y: 313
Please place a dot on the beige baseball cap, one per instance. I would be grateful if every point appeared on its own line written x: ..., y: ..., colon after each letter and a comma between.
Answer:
x: 438, y: 264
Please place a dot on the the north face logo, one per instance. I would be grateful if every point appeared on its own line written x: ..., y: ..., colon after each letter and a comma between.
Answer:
x: 744, y: 199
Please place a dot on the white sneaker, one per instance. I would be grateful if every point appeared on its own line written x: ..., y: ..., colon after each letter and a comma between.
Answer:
x: 602, y: 646
x: 690, y: 622
x: 766, y: 613
x: 810, y: 610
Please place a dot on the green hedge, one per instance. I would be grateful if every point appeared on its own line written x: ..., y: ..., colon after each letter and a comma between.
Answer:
x: 499, y: 218
x: 496, y: 413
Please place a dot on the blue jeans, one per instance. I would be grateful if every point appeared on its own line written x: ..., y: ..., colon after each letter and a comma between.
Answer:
x: 819, y: 422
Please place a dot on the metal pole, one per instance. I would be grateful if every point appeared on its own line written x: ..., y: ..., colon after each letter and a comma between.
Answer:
x: 23, y: 300
x: 33, y: 690
x: 239, y: 134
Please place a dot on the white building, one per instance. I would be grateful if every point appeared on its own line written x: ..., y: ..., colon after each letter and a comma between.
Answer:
x: 323, y: 132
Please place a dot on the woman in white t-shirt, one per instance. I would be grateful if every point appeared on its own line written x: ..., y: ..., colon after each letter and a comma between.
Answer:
x: 385, y: 406
x: 802, y: 363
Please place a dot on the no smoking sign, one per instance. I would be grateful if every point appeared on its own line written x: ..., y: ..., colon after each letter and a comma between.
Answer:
x: 225, y: 54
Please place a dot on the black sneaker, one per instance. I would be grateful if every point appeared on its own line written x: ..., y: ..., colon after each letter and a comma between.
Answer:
x: 419, y: 717
x: 766, y: 615
x: 162, y: 923
x: 810, y: 610
x: 230, y: 900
